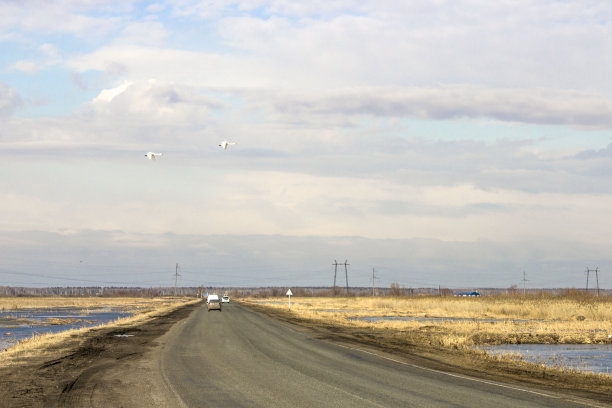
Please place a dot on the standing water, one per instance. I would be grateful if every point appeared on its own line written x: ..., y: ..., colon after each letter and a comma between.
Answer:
x: 596, y: 358
x: 16, y: 325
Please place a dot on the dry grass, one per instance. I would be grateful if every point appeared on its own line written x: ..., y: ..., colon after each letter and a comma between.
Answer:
x: 145, y: 310
x: 17, y: 303
x: 499, y: 307
x: 497, y: 319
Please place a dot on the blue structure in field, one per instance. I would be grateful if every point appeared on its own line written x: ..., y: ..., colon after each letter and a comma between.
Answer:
x: 467, y: 294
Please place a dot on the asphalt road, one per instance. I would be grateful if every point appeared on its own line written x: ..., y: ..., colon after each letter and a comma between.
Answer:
x: 240, y: 358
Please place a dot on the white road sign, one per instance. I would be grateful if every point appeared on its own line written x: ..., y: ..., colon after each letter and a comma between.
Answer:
x: 289, y: 293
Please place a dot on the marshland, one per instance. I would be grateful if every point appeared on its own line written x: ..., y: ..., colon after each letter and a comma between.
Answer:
x: 68, y: 318
x: 18, y: 303
x: 459, y: 324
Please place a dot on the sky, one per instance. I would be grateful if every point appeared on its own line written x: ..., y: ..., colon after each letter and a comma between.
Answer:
x: 452, y: 143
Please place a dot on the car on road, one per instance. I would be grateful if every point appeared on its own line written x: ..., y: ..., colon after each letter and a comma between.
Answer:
x: 213, y: 303
x: 225, y: 299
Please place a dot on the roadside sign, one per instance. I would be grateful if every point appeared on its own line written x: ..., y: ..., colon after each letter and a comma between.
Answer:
x: 289, y: 293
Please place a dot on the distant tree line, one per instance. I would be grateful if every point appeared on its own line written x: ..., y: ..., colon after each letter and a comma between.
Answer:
x: 394, y: 290
x: 99, y: 291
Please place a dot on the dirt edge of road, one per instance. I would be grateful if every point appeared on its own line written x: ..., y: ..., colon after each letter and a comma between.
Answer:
x: 450, y: 360
x: 77, y: 372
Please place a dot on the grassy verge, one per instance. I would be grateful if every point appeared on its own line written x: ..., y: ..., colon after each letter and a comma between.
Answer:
x: 144, y: 309
x: 16, y: 303
x: 450, y: 344
x: 481, y: 321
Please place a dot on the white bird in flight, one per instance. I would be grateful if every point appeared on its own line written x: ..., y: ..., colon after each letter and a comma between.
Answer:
x: 152, y: 155
x: 225, y: 143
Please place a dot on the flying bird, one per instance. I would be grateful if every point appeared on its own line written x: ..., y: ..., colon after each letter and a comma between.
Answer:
x: 152, y: 156
x: 225, y: 143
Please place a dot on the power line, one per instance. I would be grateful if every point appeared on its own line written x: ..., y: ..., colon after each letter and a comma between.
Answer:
x: 66, y: 278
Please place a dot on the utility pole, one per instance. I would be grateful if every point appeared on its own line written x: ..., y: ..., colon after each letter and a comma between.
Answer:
x: 587, y: 285
x: 596, y: 270
x: 346, y: 264
x: 175, y: 278
x: 373, y: 277
x: 524, y: 280
x: 597, y: 279
x: 346, y: 274
x: 335, y: 270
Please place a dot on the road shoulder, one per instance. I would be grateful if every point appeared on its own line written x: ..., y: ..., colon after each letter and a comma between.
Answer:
x: 107, y: 366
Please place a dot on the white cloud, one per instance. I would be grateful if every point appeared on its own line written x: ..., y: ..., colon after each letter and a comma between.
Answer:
x: 9, y: 100
x: 107, y: 95
x: 150, y: 33
x: 335, y: 45
x: 424, y: 45
x: 120, y: 119
x: 187, y: 197
x: 156, y: 7
x: 50, y: 56
x: 37, y: 16
x: 312, y: 94
x: 169, y: 65
x: 541, y: 106
x: 49, y: 50
x: 29, y: 67
x: 149, y: 111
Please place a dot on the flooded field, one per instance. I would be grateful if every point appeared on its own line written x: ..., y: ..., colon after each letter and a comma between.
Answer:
x: 595, y: 358
x: 571, y: 332
x: 16, y: 325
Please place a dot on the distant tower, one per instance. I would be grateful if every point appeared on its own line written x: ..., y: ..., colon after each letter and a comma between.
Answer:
x: 596, y: 270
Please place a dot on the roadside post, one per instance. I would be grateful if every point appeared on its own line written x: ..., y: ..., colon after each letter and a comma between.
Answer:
x: 289, y: 293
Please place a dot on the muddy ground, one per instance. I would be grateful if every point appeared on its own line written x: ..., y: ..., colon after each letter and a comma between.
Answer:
x: 104, y: 367
x: 116, y: 367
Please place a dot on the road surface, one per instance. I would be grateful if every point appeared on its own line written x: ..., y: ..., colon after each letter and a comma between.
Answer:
x: 240, y: 358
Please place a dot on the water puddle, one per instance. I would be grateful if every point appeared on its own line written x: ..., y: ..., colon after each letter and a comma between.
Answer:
x: 16, y: 325
x: 595, y: 358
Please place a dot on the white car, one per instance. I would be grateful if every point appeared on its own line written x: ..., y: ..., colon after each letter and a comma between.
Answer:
x: 213, y: 303
x: 225, y: 299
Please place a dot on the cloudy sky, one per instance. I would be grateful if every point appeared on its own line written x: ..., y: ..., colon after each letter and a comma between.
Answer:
x: 450, y: 142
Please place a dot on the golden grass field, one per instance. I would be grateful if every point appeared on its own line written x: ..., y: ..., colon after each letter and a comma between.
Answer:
x: 517, y: 319
x: 17, y: 303
x: 144, y: 309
